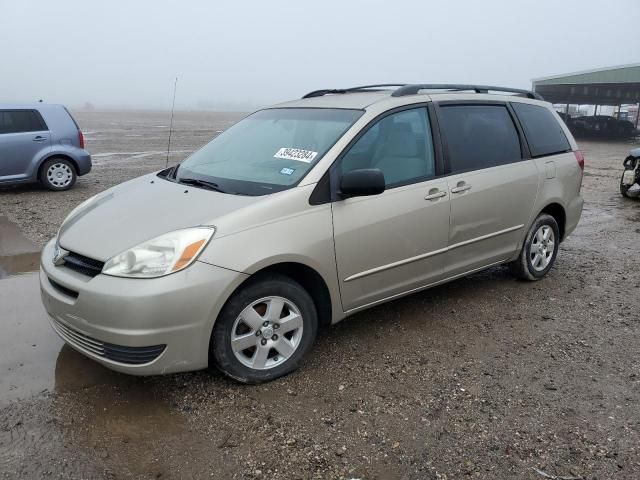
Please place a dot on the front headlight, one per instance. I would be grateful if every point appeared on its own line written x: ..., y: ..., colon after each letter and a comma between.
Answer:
x: 161, y: 256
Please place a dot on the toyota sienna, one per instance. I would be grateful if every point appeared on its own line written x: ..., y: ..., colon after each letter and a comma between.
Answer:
x: 305, y: 213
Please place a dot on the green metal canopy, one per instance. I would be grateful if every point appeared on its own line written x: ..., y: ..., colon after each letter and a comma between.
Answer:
x: 604, y: 86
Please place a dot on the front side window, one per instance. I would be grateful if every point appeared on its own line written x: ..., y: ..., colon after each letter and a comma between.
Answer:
x: 479, y: 136
x: 20, y: 121
x: 268, y: 151
x: 400, y: 145
x: 544, y: 134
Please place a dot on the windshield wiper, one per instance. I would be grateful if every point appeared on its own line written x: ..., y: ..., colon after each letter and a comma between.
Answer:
x: 196, y: 182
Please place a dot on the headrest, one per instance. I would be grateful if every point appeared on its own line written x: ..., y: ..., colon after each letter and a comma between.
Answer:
x: 399, y: 140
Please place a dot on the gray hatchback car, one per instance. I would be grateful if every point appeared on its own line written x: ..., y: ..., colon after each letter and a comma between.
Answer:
x: 41, y: 143
x: 305, y: 213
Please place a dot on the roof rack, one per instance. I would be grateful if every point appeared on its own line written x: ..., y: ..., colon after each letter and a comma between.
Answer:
x: 414, y: 89
x: 320, y: 93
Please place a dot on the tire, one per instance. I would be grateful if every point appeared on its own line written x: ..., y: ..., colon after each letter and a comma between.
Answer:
x: 624, y: 188
x: 58, y: 174
x: 270, y: 351
x: 528, y: 266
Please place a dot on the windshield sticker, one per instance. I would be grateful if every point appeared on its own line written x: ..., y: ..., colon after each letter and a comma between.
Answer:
x: 297, y: 154
x: 287, y: 171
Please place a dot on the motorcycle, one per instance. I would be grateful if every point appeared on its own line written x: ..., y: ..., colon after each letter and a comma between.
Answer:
x: 630, y: 181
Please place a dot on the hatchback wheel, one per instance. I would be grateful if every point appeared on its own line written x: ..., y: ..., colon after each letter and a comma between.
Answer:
x: 264, y: 330
x: 539, y: 250
x: 58, y: 174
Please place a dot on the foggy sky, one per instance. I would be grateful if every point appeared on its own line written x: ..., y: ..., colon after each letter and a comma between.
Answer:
x: 244, y: 53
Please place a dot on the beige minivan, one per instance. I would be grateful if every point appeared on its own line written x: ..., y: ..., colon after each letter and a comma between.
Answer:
x: 304, y: 213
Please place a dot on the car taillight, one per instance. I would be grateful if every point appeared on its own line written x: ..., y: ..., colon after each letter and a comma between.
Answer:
x: 579, y: 158
x: 81, y: 138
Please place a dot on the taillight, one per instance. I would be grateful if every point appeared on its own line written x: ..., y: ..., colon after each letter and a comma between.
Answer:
x: 81, y: 138
x: 579, y: 158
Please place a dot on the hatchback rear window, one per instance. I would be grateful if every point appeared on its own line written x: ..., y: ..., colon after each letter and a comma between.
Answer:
x: 18, y: 121
x: 542, y: 129
x: 479, y: 136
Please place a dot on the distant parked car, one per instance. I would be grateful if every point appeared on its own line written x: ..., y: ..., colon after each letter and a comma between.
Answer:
x: 41, y: 143
x: 567, y: 119
x: 630, y: 181
x: 601, y: 125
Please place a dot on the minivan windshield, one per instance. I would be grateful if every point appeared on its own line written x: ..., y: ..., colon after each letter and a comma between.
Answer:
x: 266, y: 152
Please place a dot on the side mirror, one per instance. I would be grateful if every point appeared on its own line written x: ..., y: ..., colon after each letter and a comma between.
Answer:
x: 361, y: 183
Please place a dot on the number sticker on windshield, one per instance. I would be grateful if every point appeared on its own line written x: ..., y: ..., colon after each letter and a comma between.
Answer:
x: 297, y: 154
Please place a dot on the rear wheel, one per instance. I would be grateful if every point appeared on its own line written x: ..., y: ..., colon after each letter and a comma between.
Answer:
x: 539, y: 250
x: 624, y: 188
x: 264, y: 330
x: 58, y: 174
x: 629, y: 190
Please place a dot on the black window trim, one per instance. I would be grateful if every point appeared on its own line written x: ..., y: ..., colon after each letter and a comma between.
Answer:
x: 560, y: 152
x: 524, y: 146
x: 43, y: 125
x: 325, y: 191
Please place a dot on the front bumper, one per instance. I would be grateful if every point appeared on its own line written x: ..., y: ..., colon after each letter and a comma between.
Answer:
x: 125, y: 315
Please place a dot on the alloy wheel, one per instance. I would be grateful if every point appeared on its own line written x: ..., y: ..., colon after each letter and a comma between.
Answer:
x: 542, y: 248
x: 267, y: 333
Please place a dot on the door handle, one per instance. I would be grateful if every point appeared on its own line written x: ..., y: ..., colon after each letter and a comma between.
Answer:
x: 39, y: 139
x: 460, y: 188
x: 436, y: 195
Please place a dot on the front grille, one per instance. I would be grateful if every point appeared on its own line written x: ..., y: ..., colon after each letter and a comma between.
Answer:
x: 116, y: 353
x: 84, y: 265
x: 63, y: 289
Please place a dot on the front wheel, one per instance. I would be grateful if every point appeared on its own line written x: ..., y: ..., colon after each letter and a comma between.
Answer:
x: 539, y: 250
x: 264, y: 330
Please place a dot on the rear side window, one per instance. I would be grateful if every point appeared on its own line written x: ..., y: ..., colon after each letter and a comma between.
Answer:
x: 479, y: 136
x: 544, y: 134
x: 18, y: 121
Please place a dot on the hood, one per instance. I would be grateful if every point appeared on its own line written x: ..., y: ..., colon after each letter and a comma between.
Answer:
x: 139, y: 210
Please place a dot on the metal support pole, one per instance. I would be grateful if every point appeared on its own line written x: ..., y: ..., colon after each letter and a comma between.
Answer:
x: 637, y: 115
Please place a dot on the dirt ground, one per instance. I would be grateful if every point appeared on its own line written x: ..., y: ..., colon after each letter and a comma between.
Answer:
x: 485, y: 377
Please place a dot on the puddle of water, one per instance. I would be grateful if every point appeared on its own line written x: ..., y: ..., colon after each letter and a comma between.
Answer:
x: 21, y: 263
x: 123, y: 415
x: 28, y: 345
x: 32, y: 356
x: 17, y: 253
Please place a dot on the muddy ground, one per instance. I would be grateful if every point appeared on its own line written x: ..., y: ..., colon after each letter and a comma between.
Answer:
x: 485, y: 377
